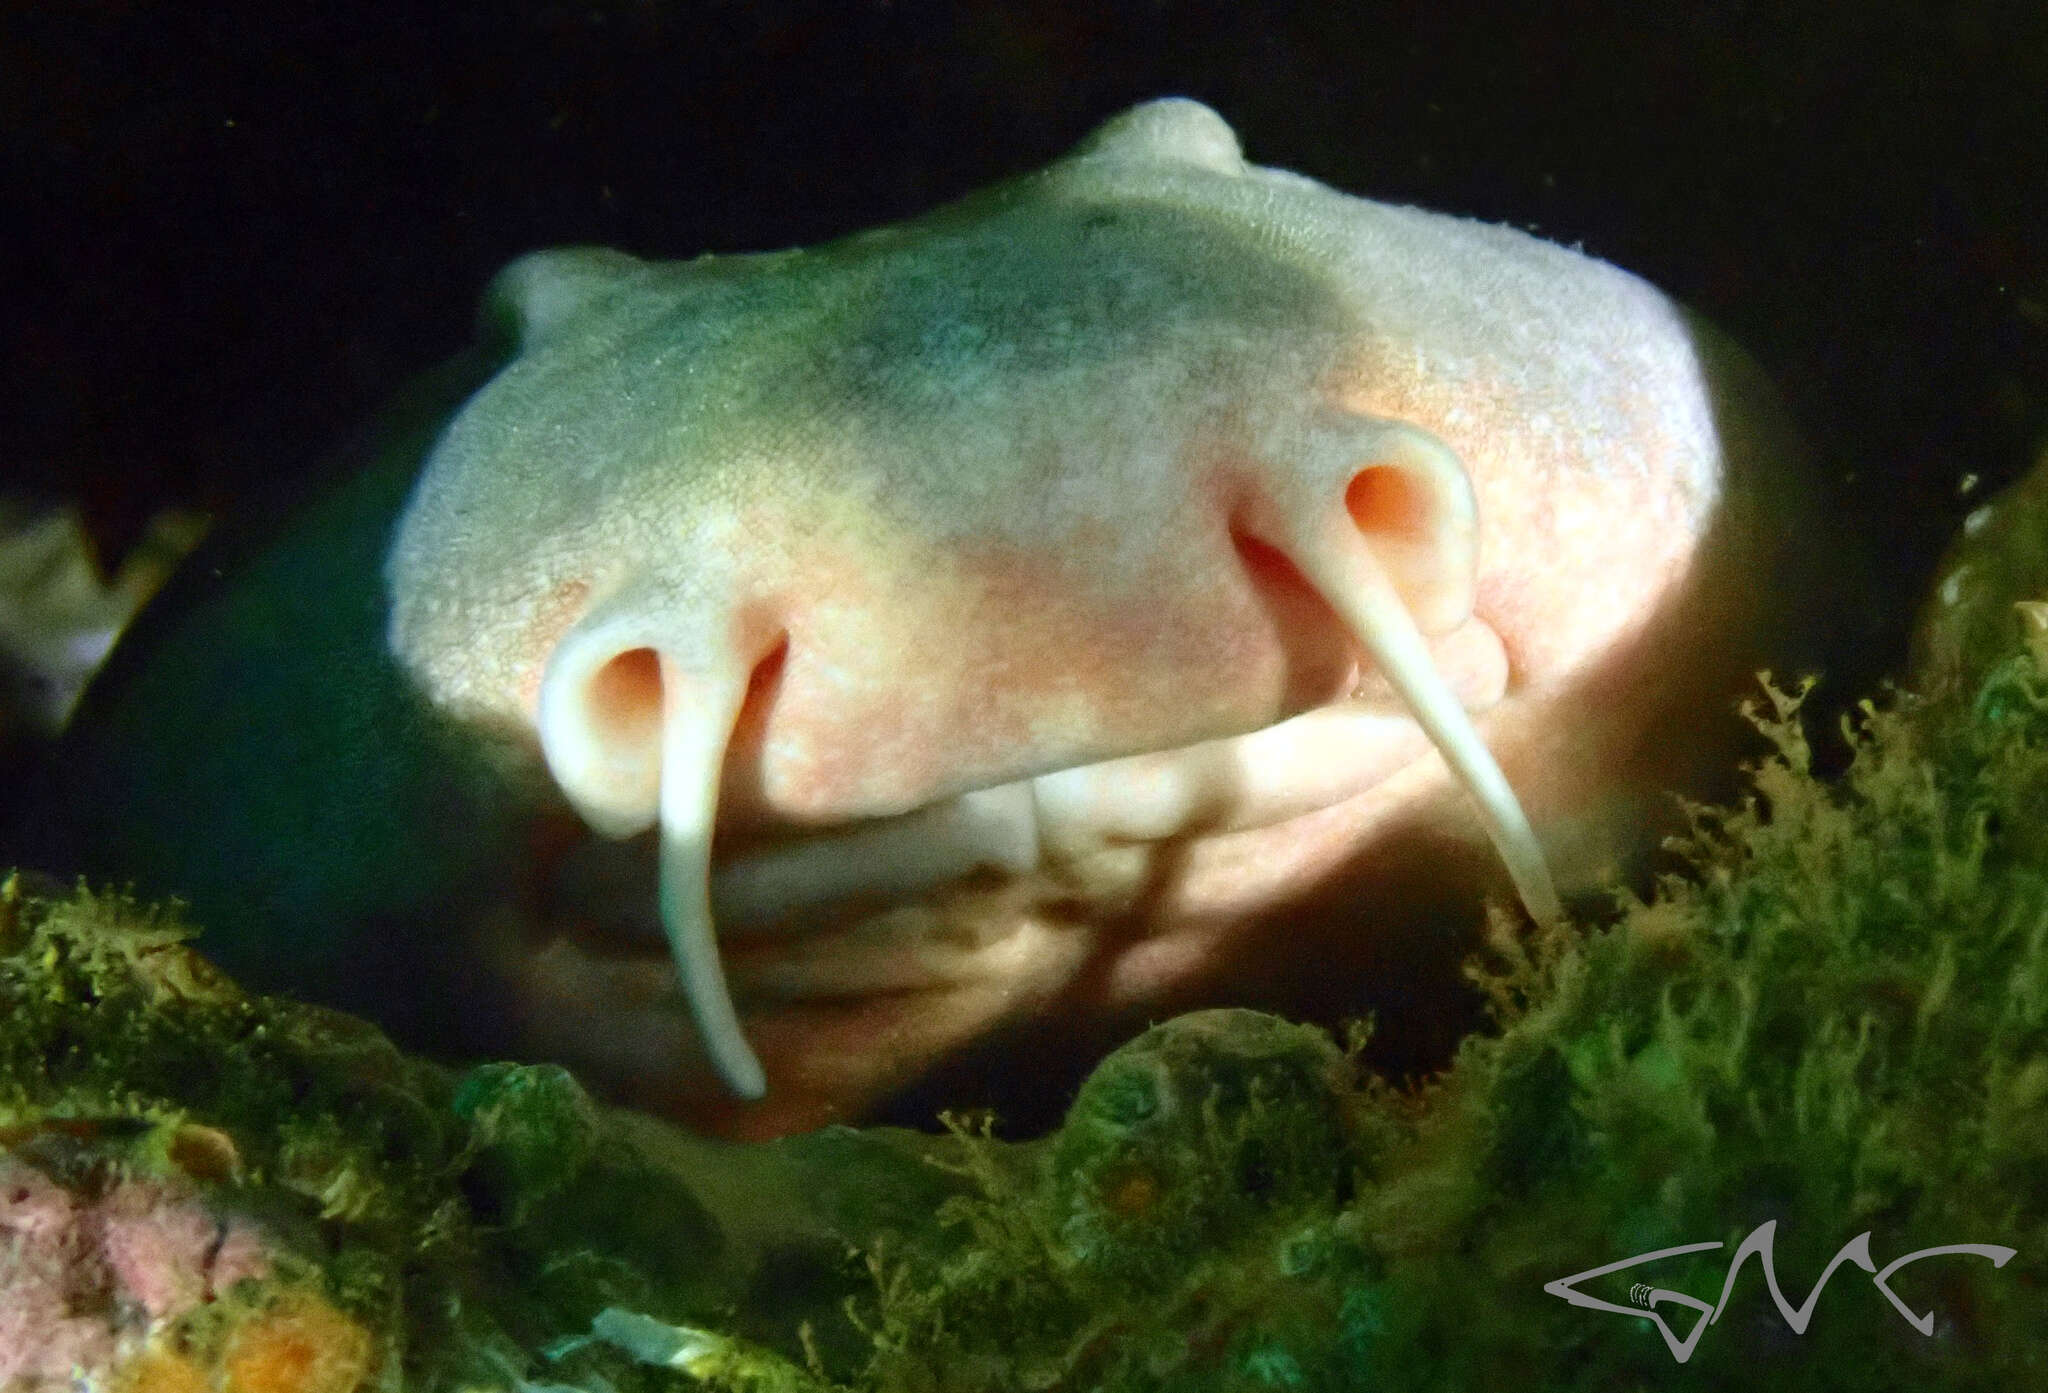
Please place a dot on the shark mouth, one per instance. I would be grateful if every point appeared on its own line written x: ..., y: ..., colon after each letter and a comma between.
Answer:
x: 787, y: 885
x: 807, y: 883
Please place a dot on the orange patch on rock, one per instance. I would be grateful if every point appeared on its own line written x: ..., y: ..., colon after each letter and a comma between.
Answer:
x: 300, y: 1345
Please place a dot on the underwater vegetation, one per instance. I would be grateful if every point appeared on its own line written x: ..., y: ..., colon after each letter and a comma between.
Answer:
x: 1832, y: 1022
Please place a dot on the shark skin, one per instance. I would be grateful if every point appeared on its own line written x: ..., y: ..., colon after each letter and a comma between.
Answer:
x: 785, y: 670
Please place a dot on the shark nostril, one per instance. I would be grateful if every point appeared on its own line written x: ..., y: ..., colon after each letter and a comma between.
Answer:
x: 1386, y: 501
x: 1411, y: 501
x: 624, y: 705
x: 602, y: 723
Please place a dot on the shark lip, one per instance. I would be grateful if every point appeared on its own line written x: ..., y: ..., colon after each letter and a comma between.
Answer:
x: 959, y: 936
x: 831, y: 1057
x: 1055, y: 822
x: 888, y: 886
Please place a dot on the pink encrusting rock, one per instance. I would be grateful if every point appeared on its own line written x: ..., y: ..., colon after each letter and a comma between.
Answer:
x: 88, y: 1279
x: 53, y: 1288
x: 168, y: 1253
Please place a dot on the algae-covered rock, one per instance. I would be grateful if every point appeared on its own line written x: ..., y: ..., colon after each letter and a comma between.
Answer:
x: 1997, y: 567
x: 190, y: 1205
x: 1182, y: 1229
x: 211, y: 1190
x: 1196, y: 1132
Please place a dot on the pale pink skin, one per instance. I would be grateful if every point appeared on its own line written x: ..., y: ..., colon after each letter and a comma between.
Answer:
x: 931, y: 605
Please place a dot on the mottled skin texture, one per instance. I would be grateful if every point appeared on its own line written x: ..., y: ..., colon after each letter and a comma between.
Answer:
x: 961, y: 577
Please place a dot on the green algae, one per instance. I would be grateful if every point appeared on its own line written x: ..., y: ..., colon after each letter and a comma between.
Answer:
x: 465, y: 1222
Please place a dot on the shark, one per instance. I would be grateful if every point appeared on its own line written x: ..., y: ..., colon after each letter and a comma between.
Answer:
x: 751, y: 679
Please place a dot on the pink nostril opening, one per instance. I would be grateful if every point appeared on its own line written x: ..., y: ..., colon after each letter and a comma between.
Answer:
x: 624, y: 707
x: 1385, y: 501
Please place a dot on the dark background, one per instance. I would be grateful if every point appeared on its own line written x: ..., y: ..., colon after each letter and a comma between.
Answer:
x: 231, y: 230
